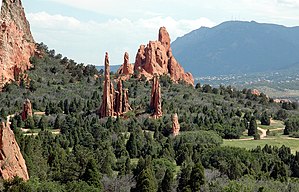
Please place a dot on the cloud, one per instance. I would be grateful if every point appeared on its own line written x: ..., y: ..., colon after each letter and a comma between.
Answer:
x: 88, y: 41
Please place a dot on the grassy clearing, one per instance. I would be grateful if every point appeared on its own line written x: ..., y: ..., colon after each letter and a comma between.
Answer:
x: 273, y: 141
x: 275, y: 124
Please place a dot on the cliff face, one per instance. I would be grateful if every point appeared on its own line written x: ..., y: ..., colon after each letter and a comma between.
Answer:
x: 16, y: 41
x: 12, y: 162
x: 156, y: 99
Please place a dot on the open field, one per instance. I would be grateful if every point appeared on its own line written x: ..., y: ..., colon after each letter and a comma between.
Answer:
x: 273, y: 141
x: 275, y: 124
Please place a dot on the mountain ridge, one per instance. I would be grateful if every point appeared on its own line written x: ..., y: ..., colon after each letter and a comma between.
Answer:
x: 237, y: 47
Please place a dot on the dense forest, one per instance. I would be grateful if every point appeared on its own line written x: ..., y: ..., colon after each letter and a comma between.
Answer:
x: 135, y: 152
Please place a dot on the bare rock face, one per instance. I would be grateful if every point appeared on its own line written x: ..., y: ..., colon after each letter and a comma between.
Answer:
x: 107, y: 107
x: 255, y: 92
x: 156, y: 99
x: 16, y: 42
x: 157, y: 59
x: 27, y: 110
x: 175, y: 125
x: 126, y: 70
x: 11, y: 159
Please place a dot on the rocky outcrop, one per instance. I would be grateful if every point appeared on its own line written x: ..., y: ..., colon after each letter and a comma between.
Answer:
x: 255, y: 92
x: 11, y: 159
x: 107, y: 107
x: 156, y: 99
x: 16, y: 42
x: 114, y: 102
x: 27, y: 110
x: 126, y: 70
x: 157, y: 59
x: 175, y: 125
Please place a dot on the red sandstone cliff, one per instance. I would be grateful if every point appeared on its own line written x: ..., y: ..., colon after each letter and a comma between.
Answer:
x: 12, y: 162
x: 157, y: 59
x: 16, y: 42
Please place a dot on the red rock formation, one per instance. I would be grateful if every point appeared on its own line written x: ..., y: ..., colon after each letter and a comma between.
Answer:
x: 126, y: 70
x: 157, y: 59
x: 126, y: 105
x: 156, y: 99
x: 255, y: 92
x: 107, y: 108
x: 12, y: 162
x: 175, y: 125
x: 16, y: 42
x: 119, y: 99
x: 27, y: 110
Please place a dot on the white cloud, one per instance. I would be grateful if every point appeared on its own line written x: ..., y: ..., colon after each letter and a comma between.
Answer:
x: 87, y: 41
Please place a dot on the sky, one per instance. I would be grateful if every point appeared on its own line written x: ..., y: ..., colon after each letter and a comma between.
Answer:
x: 85, y: 30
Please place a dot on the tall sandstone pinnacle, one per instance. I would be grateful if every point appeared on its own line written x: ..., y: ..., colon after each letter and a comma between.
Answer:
x: 156, y: 99
x: 16, y: 41
x: 126, y: 70
x: 107, y: 107
x: 27, y: 110
x: 175, y: 125
x: 156, y: 59
x: 12, y: 162
x: 114, y: 102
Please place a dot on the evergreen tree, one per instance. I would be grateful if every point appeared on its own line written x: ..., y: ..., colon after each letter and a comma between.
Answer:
x: 252, y: 130
x: 132, y: 146
x: 146, y: 181
x: 197, y: 178
x: 92, y: 175
x: 166, y: 185
x: 184, y: 177
x: 265, y: 119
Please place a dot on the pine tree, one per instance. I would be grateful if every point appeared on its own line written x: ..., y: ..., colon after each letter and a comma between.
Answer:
x: 146, y: 181
x: 265, y: 119
x: 252, y: 130
x: 132, y: 146
x: 166, y: 185
x: 184, y: 177
x: 197, y: 178
x: 92, y: 175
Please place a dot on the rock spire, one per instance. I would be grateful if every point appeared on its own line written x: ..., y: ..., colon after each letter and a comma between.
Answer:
x: 107, y: 108
x: 175, y: 125
x: 126, y: 70
x: 114, y: 102
x: 27, y: 110
x: 156, y: 99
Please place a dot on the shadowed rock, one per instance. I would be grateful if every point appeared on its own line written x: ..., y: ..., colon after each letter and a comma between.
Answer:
x: 156, y: 99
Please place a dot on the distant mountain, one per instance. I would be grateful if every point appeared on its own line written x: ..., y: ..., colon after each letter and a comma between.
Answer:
x: 238, y: 47
x: 113, y: 68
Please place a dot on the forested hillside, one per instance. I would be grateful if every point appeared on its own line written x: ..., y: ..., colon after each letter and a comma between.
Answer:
x: 67, y: 147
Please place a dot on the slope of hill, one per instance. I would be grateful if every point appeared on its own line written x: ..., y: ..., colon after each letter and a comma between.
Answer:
x: 238, y: 47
